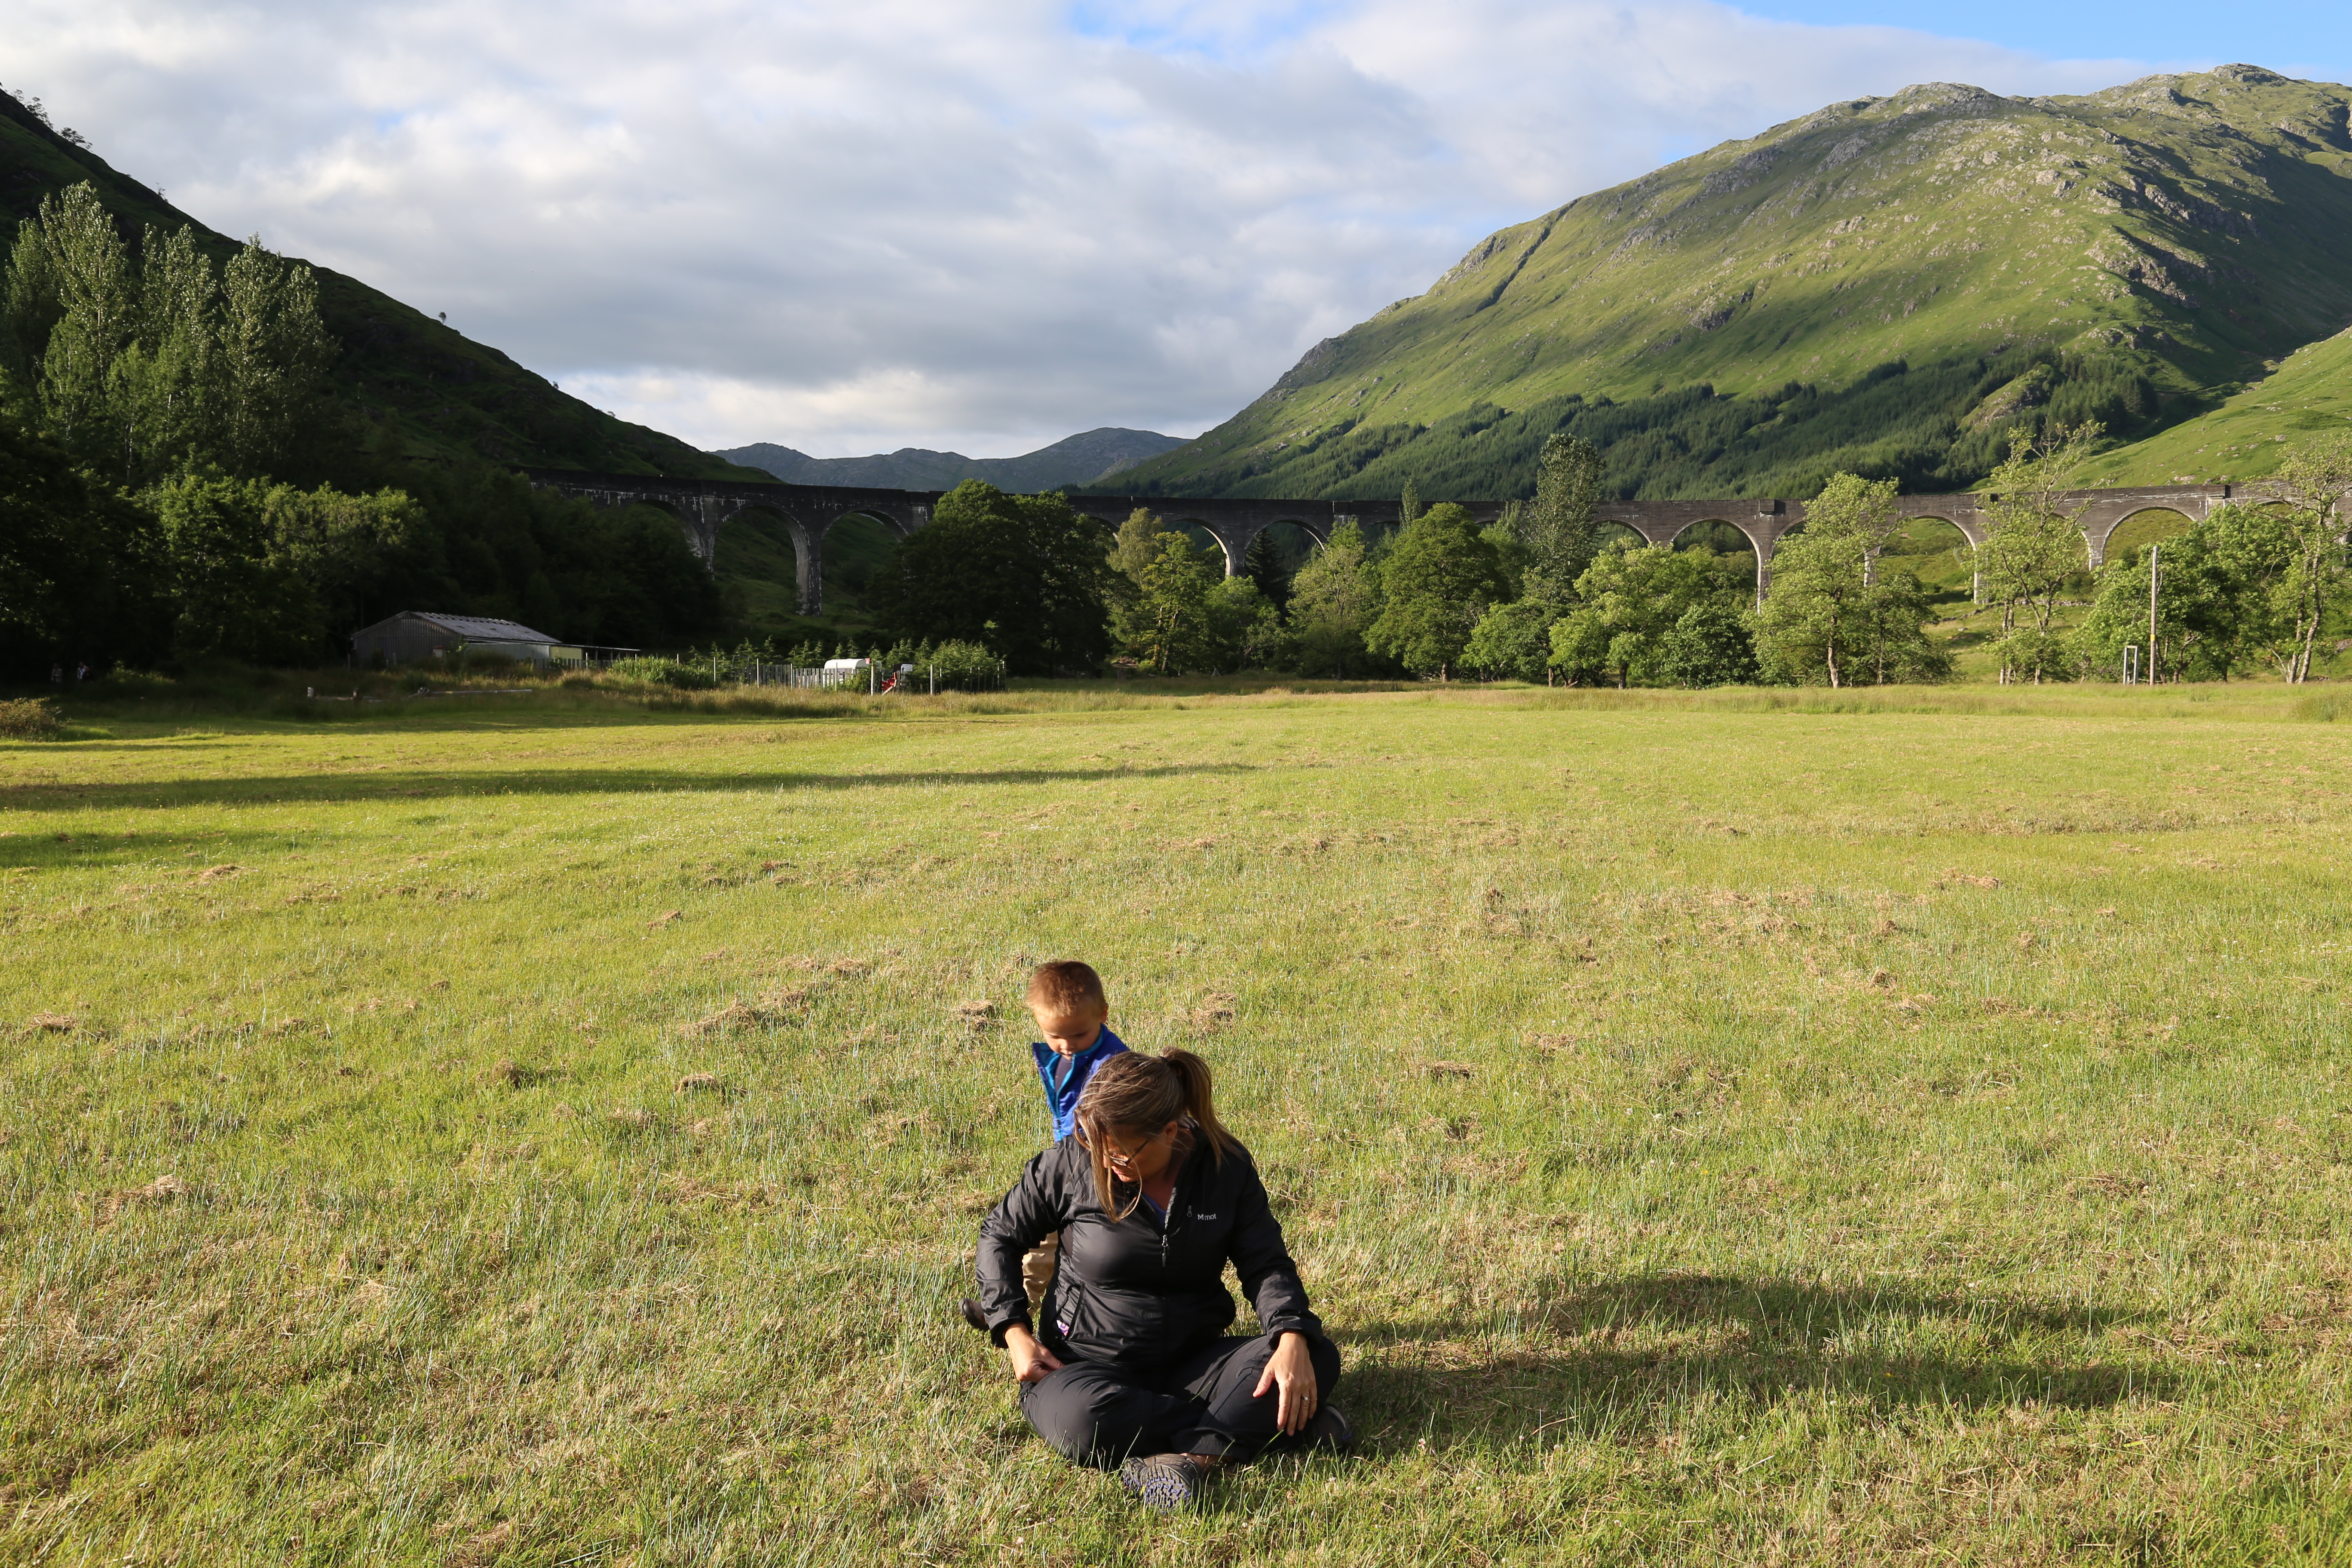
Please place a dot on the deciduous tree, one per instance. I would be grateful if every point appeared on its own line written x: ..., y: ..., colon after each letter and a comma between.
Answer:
x: 1628, y: 603
x: 1334, y: 599
x: 1713, y: 644
x: 2316, y: 485
x: 1435, y: 582
x: 81, y: 567
x: 1168, y: 627
x: 1511, y: 641
x: 1027, y: 576
x: 2034, y: 543
x: 151, y: 370
x: 1826, y: 617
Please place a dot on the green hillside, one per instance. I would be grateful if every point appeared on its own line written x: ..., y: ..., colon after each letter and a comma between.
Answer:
x: 2309, y: 395
x: 404, y: 385
x: 1889, y: 285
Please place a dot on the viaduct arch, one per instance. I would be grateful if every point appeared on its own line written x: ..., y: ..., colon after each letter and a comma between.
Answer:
x: 702, y: 506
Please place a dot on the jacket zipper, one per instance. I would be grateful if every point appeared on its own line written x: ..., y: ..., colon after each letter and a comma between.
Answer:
x: 1175, y: 1199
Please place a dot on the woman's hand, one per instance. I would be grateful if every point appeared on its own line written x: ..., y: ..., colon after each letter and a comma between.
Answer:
x: 1291, y: 1370
x: 1032, y: 1361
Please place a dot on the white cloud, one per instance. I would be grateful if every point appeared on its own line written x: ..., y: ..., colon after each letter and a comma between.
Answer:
x: 982, y: 224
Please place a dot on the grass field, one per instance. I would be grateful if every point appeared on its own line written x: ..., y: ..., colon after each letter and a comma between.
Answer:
x: 1896, y: 1127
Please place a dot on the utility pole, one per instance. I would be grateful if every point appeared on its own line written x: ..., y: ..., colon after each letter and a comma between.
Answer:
x: 2155, y: 575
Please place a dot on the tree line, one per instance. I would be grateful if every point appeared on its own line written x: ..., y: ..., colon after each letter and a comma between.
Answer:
x: 177, y: 486
x: 1544, y: 594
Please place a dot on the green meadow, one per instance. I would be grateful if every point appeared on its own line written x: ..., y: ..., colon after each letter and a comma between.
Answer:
x: 1883, y: 1127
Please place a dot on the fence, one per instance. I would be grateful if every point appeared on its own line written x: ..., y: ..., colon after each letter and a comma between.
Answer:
x: 865, y: 675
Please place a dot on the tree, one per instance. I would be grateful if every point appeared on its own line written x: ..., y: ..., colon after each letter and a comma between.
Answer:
x: 1511, y: 554
x: 1168, y: 627
x: 1435, y: 583
x: 2245, y: 582
x: 1245, y: 629
x: 2313, y: 483
x: 1408, y: 506
x: 1561, y: 529
x: 2191, y: 608
x: 1826, y: 617
x: 272, y: 351
x: 342, y: 547
x: 90, y: 310
x: 237, y: 597
x: 1262, y: 565
x: 1711, y: 644
x: 1511, y: 642
x: 1894, y: 645
x: 81, y: 567
x: 1026, y: 576
x: 1628, y: 602
x: 268, y: 573
x: 154, y: 369
x: 171, y: 374
x: 2034, y: 543
x: 1138, y: 544
x: 1334, y: 599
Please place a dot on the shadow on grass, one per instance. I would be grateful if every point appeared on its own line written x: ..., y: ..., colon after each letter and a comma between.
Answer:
x: 1635, y: 1351
x: 395, y: 788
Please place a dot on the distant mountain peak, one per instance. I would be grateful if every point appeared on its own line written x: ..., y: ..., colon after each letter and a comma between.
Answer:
x: 1078, y: 459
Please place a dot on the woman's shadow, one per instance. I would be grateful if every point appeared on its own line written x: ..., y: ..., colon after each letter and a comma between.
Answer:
x: 1614, y: 1356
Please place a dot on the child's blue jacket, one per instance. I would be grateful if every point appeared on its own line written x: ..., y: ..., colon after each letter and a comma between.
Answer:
x: 1062, y: 1097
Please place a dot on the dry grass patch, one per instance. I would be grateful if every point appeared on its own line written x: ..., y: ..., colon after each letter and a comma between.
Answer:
x: 29, y: 719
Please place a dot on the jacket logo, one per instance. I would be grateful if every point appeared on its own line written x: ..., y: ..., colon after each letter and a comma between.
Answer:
x: 1198, y: 1215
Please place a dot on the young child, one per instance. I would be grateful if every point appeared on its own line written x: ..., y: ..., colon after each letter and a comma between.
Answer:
x: 1066, y: 998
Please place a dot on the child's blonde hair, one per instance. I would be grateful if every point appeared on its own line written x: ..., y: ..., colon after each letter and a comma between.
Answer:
x: 1066, y: 986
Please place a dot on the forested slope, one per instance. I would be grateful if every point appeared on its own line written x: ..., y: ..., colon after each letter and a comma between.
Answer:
x: 1890, y: 286
x: 403, y: 385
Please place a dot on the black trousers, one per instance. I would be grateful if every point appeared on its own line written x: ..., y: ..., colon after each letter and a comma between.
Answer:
x: 1098, y: 1412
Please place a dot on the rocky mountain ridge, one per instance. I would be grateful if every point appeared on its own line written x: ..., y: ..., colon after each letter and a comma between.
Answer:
x: 2154, y: 248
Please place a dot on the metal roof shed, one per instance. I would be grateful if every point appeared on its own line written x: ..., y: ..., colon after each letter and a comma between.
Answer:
x: 414, y: 635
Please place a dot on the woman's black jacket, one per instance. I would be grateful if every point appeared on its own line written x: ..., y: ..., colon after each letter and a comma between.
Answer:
x: 1126, y: 1290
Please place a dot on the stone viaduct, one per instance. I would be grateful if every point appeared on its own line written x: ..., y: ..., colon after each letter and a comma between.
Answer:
x: 807, y: 512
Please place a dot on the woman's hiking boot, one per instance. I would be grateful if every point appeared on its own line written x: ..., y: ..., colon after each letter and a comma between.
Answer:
x: 1328, y: 1432
x: 1165, y: 1481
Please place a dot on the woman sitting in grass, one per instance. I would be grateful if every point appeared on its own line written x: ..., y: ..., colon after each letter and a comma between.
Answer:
x: 1131, y: 1365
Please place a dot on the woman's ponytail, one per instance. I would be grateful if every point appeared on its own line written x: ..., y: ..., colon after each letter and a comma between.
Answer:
x: 1200, y: 1100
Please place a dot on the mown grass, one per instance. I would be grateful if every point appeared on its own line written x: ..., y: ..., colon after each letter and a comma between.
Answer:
x: 1773, y: 1127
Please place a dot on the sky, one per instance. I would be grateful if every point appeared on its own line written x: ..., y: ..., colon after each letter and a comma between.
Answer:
x: 982, y: 224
